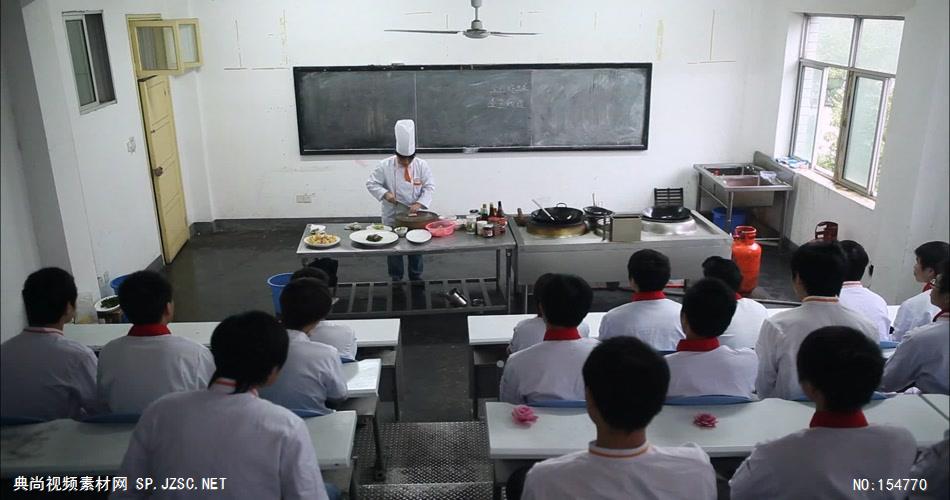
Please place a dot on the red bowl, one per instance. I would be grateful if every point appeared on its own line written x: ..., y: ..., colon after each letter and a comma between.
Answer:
x: 441, y: 227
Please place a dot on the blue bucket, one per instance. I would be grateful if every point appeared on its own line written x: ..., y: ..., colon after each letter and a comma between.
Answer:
x: 277, y: 283
x: 117, y: 282
x: 719, y: 218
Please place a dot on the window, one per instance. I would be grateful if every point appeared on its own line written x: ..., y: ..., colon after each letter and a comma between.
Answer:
x: 86, y: 37
x: 845, y: 82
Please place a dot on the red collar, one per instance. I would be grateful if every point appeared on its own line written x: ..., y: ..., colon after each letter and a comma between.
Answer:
x: 697, y: 345
x: 852, y: 284
x: 943, y: 314
x: 562, y: 334
x: 817, y: 298
x: 150, y: 330
x: 838, y: 420
x: 738, y: 296
x: 40, y: 329
x: 221, y: 382
x: 638, y: 296
x: 927, y: 286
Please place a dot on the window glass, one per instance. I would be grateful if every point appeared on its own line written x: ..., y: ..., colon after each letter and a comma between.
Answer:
x: 879, y: 44
x: 828, y: 39
x: 80, y: 58
x: 863, y: 132
x: 829, y: 119
x: 808, y: 105
x: 100, y: 57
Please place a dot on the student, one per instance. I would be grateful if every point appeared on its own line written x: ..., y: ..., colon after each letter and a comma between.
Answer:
x: 551, y: 370
x: 861, y: 300
x: 839, y: 369
x: 918, y: 310
x: 922, y: 360
x: 227, y: 431
x: 747, y: 321
x: 529, y: 332
x: 651, y: 317
x: 149, y: 362
x: 341, y: 336
x: 620, y: 463
x: 818, y: 270
x: 313, y: 372
x: 45, y: 375
x: 700, y: 366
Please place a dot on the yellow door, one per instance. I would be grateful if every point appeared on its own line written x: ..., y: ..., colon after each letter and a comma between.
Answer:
x: 159, y: 123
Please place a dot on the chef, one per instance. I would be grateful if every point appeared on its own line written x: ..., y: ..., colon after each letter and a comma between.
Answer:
x: 403, y: 184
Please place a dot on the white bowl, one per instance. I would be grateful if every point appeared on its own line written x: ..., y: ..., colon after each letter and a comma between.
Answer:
x: 418, y: 236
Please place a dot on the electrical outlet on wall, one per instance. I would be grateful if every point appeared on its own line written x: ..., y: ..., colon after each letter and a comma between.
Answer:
x: 130, y: 145
x: 304, y: 198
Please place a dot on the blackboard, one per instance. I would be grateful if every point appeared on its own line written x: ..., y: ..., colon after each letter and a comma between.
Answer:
x: 515, y: 107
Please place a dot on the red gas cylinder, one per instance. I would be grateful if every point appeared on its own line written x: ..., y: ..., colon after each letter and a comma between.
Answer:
x: 747, y: 254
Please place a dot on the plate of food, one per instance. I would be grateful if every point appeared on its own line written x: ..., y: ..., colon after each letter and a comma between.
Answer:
x: 379, y: 227
x: 418, y: 236
x: 374, y: 238
x: 316, y: 228
x: 321, y: 240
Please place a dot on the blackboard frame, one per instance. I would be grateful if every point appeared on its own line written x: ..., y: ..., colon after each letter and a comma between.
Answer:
x: 301, y: 70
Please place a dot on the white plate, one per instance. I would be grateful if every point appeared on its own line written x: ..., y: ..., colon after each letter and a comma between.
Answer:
x: 418, y: 236
x: 389, y: 237
x: 316, y: 227
x: 369, y: 227
x: 322, y: 245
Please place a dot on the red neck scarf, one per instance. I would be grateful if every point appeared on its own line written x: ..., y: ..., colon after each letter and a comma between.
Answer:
x: 927, y: 286
x: 818, y: 298
x: 150, y: 330
x: 41, y: 329
x: 838, y: 420
x: 738, y: 296
x: 851, y: 284
x: 944, y: 313
x: 562, y: 334
x: 638, y: 296
x: 697, y: 345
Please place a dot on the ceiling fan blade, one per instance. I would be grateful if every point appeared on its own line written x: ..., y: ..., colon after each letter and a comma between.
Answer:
x: 507, y: 33
x: 437, y: 32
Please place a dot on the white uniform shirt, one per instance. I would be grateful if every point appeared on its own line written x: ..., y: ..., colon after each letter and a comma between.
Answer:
x: 821, y: 462
x: 337, y: 335
x: 46, y: 376
x: 389, y: 177
x: 783, y: 334
x: 547, y: 371
x: 645, y: 473
x: 746, y: 323
x: 135, y: 371
x: 913, y: 312
x: 312, y: 374
x: 921, y: 360
x: 656, y: 322
x: 723, y: 370
x: 868, y: 304
x: 529, y: 332
x: 263, y: 450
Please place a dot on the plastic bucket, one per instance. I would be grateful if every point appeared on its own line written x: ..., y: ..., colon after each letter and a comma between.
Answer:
x: 719, y: 218
x: 117, y: 282
x: 277, y: 283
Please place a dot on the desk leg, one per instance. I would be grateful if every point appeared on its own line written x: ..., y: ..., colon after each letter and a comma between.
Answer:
x: 498, y: 271
x: 379, y: 468
x: 699, y: 191
x: 509, y: 288
x: 729, y: 213
x: 781, y: 231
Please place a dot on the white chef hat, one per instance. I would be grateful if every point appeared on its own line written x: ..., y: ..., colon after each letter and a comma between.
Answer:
x: 406, y: 137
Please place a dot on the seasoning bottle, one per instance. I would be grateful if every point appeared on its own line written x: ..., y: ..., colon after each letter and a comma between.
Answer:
x: 500, y: 212
x: 491, y: 211
x: 483, y: 215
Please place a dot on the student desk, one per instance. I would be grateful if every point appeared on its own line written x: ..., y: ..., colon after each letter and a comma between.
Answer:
x: 939, y: 402
x: 362, y: 378
x: 67, y: 447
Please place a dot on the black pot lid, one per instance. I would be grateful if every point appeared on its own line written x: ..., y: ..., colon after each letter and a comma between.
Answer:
x: 667, y: 214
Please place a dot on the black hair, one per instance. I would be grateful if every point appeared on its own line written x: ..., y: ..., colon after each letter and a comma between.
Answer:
x: 247, y: 347
x: 857, y: 260
x: 565, y: 300
x: 709, y: 305
x: 821, y: 267
x: 649, y: 269
x: 46, y: 293
x: 539, y: 286
x: 405, y: 157
x: 608, y: 373
x: 940, y: 283
x: 304, y: 301
x: 143, y: 297
x: 932, y: 253
x: 842, y: 364
x: 723, y: 269
x: 311, y: 272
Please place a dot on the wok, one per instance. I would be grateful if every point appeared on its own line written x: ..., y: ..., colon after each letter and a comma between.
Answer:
x: 417, y: 221
x: 561, y: 213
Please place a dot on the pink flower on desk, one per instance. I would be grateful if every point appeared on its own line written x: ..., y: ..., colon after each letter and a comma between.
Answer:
x: 705, y: 420
x: 523, y: 415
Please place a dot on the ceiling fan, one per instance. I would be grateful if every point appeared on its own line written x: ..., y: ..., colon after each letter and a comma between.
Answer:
x: 475, y: 31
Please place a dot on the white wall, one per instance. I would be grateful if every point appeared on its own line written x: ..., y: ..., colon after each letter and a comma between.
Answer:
x: 20, y: 253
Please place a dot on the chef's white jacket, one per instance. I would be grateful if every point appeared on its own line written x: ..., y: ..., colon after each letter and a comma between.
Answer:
x: 746, y: 323
x: 921, y: 360
x: 723, y: 370
x: 135, y: 371
x: 312, y: 374
x: 645, y: 473
x: 547, y: 371
x: 783, y: 334
x: 337, y: 335
x: 656, y: 322
x: 913, y: 312
x: 529, y: 332
x: 868, y: 304
x: 263, y: 450
x: 46, y: 376
x: 389, y: 177
x: 821, y: 462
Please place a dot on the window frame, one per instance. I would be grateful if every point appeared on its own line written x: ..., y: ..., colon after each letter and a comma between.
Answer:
x: 847, y: 111
x: 80, y: 15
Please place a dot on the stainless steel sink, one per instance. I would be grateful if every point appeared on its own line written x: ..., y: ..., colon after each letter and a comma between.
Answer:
x: 733, y: 170
x: 724, y: 178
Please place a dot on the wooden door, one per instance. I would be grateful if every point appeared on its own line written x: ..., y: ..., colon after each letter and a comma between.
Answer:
x: 159, y: 122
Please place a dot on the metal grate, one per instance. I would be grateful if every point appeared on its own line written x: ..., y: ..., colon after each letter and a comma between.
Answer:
x: 381, y: 299
x: 443, y: 491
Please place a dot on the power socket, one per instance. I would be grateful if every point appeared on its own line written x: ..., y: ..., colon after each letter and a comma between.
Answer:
x: 304, y: 198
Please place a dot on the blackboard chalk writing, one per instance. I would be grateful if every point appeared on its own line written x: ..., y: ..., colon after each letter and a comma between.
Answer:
x: 506, y: 102
x: 509, y: 88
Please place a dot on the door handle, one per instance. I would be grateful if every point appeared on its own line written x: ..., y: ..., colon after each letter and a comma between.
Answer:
x: 157, y: 172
